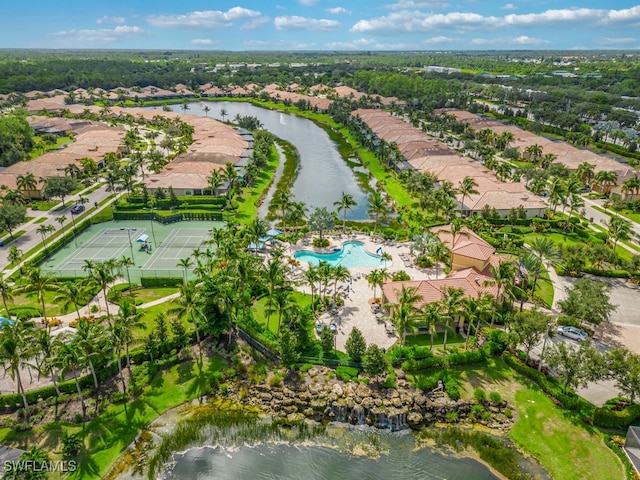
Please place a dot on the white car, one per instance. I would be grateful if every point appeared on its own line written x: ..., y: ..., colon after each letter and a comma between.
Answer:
x: 573, y: 332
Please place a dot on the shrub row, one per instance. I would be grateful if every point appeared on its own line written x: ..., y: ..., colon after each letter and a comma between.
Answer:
x: 189, y: 200
x: 607, y: 418
x: 548, y: 385
x: 457, y: 358
x: 153, y: 282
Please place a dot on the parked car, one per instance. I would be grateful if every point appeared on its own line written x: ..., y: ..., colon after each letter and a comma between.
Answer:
x: 76, y: 209
x: 573, y: 332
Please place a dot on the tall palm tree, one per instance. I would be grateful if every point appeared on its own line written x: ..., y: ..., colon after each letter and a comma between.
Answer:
x: 38, y: 283
x: 16, y: 348
x: 543, y: 247
x: 215, y: 180
x: 126, y: 321
x: 44, y: 230
x: 451, y: 304
x: 439, y: 252
x: 378, y: 208
x: 6, y: 291
x: 605, y: 178
x: 376, y: 278
x: 466, y: 188
x: 405, y: 311
x: 432, y: 318
x: 282, y: 202
x: 189, y: 306
x: 102, y: 275
x: 72, y: 360
x: 311, y: 277
x: 71, y: 293
x: 619, y: 229
x: 273, y: 274
x: 46, y: 360
x: 585, y: 172
x: 345, y: 203
x: 476, y: 309
x: 206, y: 110
x: 533, y: 152
x: 185, y: 264
x: 282, y: 303
x: 27, y: 183
x: 223, y: 113
x: 91, y: 338
x: 339, y: 273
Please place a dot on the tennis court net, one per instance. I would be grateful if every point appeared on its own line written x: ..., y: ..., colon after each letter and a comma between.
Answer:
x: 183, y: 242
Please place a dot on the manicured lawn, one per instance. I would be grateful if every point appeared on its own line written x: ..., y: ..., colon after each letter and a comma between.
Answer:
x: 151, y: 294
x: 31, y: 301
x: 565, y: 446
x: 630, y: 214
x: 424, y: 340
x: 302, y: 299
x: 247, y: 202
x: 544, y: 290
x: 107, y: 436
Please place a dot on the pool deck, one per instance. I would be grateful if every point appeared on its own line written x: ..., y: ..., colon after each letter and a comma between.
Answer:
x: 357, y: 311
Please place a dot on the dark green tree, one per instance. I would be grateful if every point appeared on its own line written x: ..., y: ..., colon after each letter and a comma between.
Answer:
x: 356, y: 345
x: 327, y: 340
x: 588, y: 301
x: 374, y: 363
x: 289, y: 353
x: 59, y: 187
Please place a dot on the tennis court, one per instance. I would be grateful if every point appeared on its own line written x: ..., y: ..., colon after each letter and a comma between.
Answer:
x: 155, y: 249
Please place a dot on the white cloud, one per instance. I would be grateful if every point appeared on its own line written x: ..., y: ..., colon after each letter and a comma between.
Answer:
x: 522, y: 40
x: 204, y: 19
x: 616, y: 41
x: 303, y: 23
x: 107, y: 19
x: 439, y: 40
x: 308, y: 3
x: 367, y: 44
x: 201, y: 41
x: 97, y: 36
x: 279, y: 44
x: 417, y: 21
x: 254, y: 23
x: 406, y: 4
x: 509, y: 6
x: 338, y: 11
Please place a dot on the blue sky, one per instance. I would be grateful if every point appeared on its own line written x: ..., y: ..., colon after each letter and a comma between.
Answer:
x: 323, y: 24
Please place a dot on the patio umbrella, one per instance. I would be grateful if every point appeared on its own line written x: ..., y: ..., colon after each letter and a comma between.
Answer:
x: 255, y: 246
x: 274, y: 232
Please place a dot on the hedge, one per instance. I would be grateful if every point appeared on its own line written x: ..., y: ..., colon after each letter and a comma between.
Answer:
x: 153, y: 282
x: 58, y: 243
x: 607, y: 273
x: 548, y: 385
x: 458, y: 358
x: 189, y: 200
x: 346, y: 373
x: 606, y: 418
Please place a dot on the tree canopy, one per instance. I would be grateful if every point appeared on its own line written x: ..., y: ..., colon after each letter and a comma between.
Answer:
x: 588, y: 301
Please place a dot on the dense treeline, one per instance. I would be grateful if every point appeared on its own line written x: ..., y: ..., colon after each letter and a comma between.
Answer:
x: 16, y: 140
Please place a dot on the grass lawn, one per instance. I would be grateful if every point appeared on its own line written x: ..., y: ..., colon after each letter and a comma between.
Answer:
x: 630, y: 214
x: 564, y: 445
x: 31, y: 301
x: 108, y: 435
x: 151, y: 294
x: 44, y: 205
x: 302, y: 299
x: 247, y: 202
x: 544, y: 290
x: 424, y: 340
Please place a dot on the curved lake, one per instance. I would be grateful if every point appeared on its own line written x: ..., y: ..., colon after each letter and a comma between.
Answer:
x: 323, y: 174
x: 339, y: 457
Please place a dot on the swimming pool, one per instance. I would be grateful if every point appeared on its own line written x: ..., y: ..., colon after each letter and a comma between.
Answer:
x: 352, y: 254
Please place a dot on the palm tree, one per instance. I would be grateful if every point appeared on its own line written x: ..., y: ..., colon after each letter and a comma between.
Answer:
x: 44, y: 230
x: 339, y: 273
x: 376, y: 278
x: 38, y: 283
x: 533, y: 152
x: 126, y: 321
x: 27, y: 183
x: 71, y: 293
x: 377, y: 207
x: 215, y: 180
x: 585, y: 172
x: 605, y: 178
x: 189, y: 306
x: 282, y: 201
x: 6, y: 291
x: 206, y: 110
x: 451, y: 303
x: 386, y: 257
x: 102, y: 275
x: 72, y: 359
x: 439, y: 252
x: 281, y: 302
x: 619, y: 229
x: 273, y: 274
x: 345, y: 203
x: 475, y: 309
x: 405, y: 312
x: 543, y: 247
x: 223, y: 113
x: 557, y: 192
x: 431, y: 316
x: 466, y: 188
x: 47, y: 363
x: 311, y: 277
x: 16, y: 348
x: 185, y: 264
x: 91, y: 339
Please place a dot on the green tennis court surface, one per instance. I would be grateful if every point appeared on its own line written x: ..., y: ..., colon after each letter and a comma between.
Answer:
x: 155, y: 250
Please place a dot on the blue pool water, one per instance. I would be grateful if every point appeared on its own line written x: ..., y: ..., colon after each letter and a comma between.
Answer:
x: 353, y: 254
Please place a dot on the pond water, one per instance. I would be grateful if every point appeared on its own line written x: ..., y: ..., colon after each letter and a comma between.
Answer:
x: 337, y: 455
x: 323, y: 174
